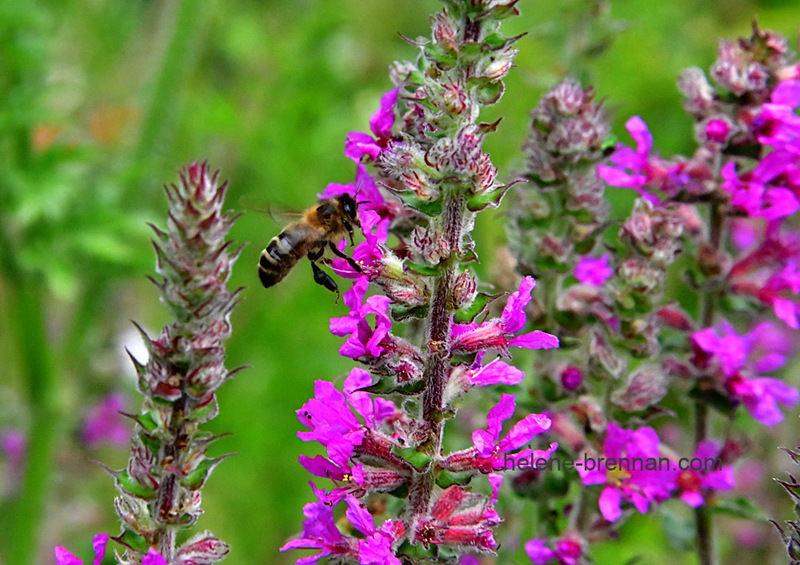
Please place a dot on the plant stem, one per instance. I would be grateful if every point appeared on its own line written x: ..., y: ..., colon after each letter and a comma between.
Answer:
x: 437, y: 369
x: 704, y: 530
x: 26, y: 515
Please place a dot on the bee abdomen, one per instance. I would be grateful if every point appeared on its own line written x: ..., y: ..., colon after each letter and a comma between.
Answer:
x: 281, y: 254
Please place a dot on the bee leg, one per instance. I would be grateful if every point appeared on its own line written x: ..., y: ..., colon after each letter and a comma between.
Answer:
x: 344, y: 256
x: 321, y: 277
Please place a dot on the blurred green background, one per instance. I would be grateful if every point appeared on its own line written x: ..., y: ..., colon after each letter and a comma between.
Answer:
x: 103, y: 100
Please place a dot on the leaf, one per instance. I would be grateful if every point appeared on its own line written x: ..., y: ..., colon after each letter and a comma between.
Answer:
x: 133, y: 487
x: 740, y: 508
x: 389, y: 386
x: 418, y: 459
x: 197, y: 478
x: 447, y: 479
x: 481, y: 302
x: 491, y: 198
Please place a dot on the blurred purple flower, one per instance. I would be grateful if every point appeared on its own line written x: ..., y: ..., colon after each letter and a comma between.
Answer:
x: 566, y: 550
x: 105, y: 423
x: 637, y: 168
x: 740, y: 357
x: 633, y: 481
x: 693, y: 485
x: 593, y: 271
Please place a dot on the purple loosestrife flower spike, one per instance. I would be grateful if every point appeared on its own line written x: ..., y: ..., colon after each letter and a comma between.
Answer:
x: 430, y: 176
x: 159, y: 491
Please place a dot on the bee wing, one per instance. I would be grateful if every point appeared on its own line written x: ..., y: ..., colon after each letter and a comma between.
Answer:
x: 280, y: 214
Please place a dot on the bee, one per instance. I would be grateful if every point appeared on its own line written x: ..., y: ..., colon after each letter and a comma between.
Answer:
x: 329, y: 220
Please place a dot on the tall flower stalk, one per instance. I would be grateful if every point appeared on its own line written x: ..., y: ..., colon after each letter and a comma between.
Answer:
x: 159, y: 490
x: 436, y: 178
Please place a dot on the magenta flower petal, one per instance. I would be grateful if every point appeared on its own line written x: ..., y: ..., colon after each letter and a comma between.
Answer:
x: 497, y: 372
x: 535, y: 340
x: 610, y: 500
x: 538, y: 552
x: 359, y: 516
x: 154, y: 558
x: 382, y: 120
x: 514, y: 311
x: 593, y: 271
x: 524, y: 431
x: 64, y: 557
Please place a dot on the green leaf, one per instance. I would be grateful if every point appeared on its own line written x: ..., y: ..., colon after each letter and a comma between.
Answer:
x: 132, y: 540
x: 740, y: 508
x: 428, y: 207
x: 417, y: 458
x: 490, y: 92
x: 445, y: 59
x: 466, y: 315
x: 401, y: 313
x: 133, y: 487
x: 197, y: 478
x: 491, y: 198
x: 389, y: 386
x: 426, y: 270
x: 447, y: 479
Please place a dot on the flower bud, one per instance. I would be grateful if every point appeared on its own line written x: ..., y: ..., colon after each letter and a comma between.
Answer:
x: 464, y: 291
x: 571, y: 378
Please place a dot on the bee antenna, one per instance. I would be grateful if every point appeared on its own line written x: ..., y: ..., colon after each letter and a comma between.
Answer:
x: 359, y: 202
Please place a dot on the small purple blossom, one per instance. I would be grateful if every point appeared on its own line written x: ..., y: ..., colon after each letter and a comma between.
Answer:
x: 363, y: 339
x: 593, y: 271
x: 488, y: 445
x: 320, y: 532
x: 644, y: 168
x: 105, y: 423
x: 376, y: 547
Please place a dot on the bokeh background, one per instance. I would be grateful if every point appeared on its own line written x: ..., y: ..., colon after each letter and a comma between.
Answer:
x: 101, y: 101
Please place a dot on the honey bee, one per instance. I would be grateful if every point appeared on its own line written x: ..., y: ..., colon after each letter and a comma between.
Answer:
x: 329, y: 220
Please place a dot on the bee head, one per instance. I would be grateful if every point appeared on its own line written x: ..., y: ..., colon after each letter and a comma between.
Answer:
x: 349, y: 209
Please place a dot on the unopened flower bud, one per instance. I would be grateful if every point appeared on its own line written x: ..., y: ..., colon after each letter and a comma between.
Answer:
x: 571, y: 378
x: 464, y: 291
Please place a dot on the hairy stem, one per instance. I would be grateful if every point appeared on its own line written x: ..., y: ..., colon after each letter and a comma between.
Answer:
x: 437, y: 369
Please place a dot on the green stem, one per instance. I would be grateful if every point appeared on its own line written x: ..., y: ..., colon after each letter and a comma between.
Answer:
x: 181, y: 36
x: 704, y: 530
x: 27, y: 513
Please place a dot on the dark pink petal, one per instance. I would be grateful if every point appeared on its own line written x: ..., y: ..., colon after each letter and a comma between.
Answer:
x: 358, y: 144
x: 99, y: 543
x: 692, y: 498
x: 538, y: 552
